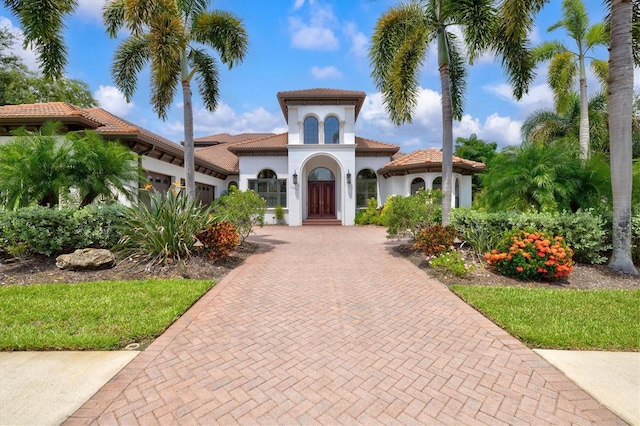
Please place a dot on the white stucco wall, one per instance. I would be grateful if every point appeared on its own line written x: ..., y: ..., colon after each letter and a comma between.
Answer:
x: 401, y: 185
x: 344, y: 113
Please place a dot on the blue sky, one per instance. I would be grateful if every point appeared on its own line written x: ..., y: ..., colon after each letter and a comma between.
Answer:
x: 304, y: 44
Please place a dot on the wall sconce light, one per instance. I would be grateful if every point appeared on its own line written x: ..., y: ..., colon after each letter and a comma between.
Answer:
x: 348, y: 177
x: 295, y: 178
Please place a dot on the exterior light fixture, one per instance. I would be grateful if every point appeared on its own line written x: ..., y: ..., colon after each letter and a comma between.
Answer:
x: 348, y: 177
x: 295, y: 178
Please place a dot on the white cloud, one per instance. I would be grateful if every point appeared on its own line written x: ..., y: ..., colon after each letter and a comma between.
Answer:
x: 426, y: 129
x: 359, y: 42
x: 298, y: 4
x: 91, y: 9
x: 113, y: 101
x: 226, y: 120
x: 317, y: 34
x: 539, y: 97
x: 28, y: 56
x: 330, y: 72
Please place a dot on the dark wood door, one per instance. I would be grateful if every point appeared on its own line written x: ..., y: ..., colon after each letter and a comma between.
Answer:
x: 322, y: 200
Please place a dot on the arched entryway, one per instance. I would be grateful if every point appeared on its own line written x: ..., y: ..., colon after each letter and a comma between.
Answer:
x: 321, y: 194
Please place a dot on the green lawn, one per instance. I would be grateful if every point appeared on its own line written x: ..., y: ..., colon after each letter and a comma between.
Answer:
x: 561, y: 319
x: 92, y: 316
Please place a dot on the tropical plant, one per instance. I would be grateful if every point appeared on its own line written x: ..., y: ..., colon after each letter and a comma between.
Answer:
x: 165, y: 229
x: 172, y: 35
x: 532, y: 255
x: 100, y: 168
x: 475, y: 149
x: 245, y: 209
x: 219, y: 239
x: 369, y: 215
x: 625, y: 19
x: 435, y: 239
x: 537, y: 177
x: 399, y: 46
x: 567, y: 65
x: 451, y: 262
x: 34, y: 167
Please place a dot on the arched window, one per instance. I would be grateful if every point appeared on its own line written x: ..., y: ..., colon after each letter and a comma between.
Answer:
x: 269, y: 187
x: 437, y: 183
x: 331, y: 130
x: 322, y: 174
x: 232, y: 183
x: 417, y: 185
x: 366, y: 187
x: 311, y: 130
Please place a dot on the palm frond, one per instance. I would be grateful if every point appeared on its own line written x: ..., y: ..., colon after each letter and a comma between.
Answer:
x: 562, y: 73
x: 225, y: 33
x: 129, y: 59
x: 576, y: 21
x: 113, y: 17
x: 457, y: 76
x: 601, y: 70
x: 478, y: 19
x: 207, y: 77
x: 597, y: 35
x: 547, y: 50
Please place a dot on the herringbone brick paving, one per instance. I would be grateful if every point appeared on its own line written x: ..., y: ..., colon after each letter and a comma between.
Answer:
x: 327, y: 326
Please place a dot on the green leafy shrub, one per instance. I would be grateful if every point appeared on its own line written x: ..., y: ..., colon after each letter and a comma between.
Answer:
x: 219, y: 239
x: 42, y: 230
x: 407, y: 216
x: 435, y: 240
x: 586, y: 232
x: 166, y: 228
x: 451, y: 262
x: 370, y: 215
x: 279, y: 213
x: 245, y: 209
x: 635, y: 238
x: 532, y: 255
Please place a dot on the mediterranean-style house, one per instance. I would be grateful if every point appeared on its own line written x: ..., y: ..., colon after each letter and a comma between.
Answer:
x: 319, y: 170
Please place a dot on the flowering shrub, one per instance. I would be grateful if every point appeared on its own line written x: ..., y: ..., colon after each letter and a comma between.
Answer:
x: 452, y: 262
x: 435, y: 239
x: 220, y: 239
x: 534, y: 255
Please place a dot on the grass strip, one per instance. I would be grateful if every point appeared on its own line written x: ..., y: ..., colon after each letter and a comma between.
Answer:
x: 561, y: 319
x: 92, y: 316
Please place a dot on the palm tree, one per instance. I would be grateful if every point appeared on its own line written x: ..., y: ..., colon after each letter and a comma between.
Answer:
x: 620, y: 91
x: 43, y: 23
x: 545, y: 126
x: 400, y: 44
x: 566, y: 64
x: 172, y: 36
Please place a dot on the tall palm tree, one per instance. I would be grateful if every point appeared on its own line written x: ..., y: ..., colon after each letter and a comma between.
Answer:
x: 620, y: 90
x: 565, y: 64
x: 400, y: 44
x: 172, y: 35
x: 43, y: 23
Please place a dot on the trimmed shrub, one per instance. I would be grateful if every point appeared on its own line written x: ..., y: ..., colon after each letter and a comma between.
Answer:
x: 245, y: 209
x: 42, y: 230
x: 586, y: 232
x: 369, y: 215
x: 407, y: 216
x: 435, y: 240
x: 219, y: 240
x: 532, y: 255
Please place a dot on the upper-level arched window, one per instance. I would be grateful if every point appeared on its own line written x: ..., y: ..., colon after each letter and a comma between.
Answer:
x: 331, y: 130
x: 311, y: 130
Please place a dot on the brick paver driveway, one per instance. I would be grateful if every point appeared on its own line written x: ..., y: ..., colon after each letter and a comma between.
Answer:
x: 327, y: 326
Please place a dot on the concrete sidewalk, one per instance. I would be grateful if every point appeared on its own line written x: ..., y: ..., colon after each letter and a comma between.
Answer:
x: 329, y: 327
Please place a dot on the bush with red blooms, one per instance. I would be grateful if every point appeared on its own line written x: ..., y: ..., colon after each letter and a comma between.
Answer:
x: 532, y: 255
x: 219, y: 240
x: 435, y: 240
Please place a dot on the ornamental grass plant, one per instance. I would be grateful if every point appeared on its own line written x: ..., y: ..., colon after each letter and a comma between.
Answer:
x: 532, y: 255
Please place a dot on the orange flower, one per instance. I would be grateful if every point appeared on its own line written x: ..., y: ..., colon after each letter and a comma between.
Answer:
x: 519, y: 268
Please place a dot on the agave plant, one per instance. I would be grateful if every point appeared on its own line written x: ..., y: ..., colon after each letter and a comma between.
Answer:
x: 165, y: 228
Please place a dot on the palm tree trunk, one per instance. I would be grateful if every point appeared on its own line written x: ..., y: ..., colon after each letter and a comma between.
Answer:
x: 189, y: 166
x: 584, y: 120
x: 447, y: 143
x: 620, y: 109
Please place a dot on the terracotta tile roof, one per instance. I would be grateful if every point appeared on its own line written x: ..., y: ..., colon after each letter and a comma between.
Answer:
x: 51, y: 109
x: 368, y: 145
x: 319, y: 97
x: 270, y: 143
x: 220, y: 156
x: 226, y: 137
x: 430, y: 158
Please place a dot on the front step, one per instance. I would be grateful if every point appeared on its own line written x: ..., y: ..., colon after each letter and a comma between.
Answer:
x: 322, y: 222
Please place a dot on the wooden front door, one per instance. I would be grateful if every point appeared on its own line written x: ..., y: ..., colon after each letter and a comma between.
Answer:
x: 322, y: 200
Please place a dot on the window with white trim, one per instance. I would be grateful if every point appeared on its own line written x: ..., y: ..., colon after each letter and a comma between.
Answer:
x: 331, y: 130
x: 311, y: 130
x: 268, y: 186
x: 366, y: 187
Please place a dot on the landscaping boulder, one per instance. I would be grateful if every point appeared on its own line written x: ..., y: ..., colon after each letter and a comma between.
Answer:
x: 86, y: 259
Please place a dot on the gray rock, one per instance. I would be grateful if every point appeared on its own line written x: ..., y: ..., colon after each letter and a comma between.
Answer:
x: 86, y: 259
